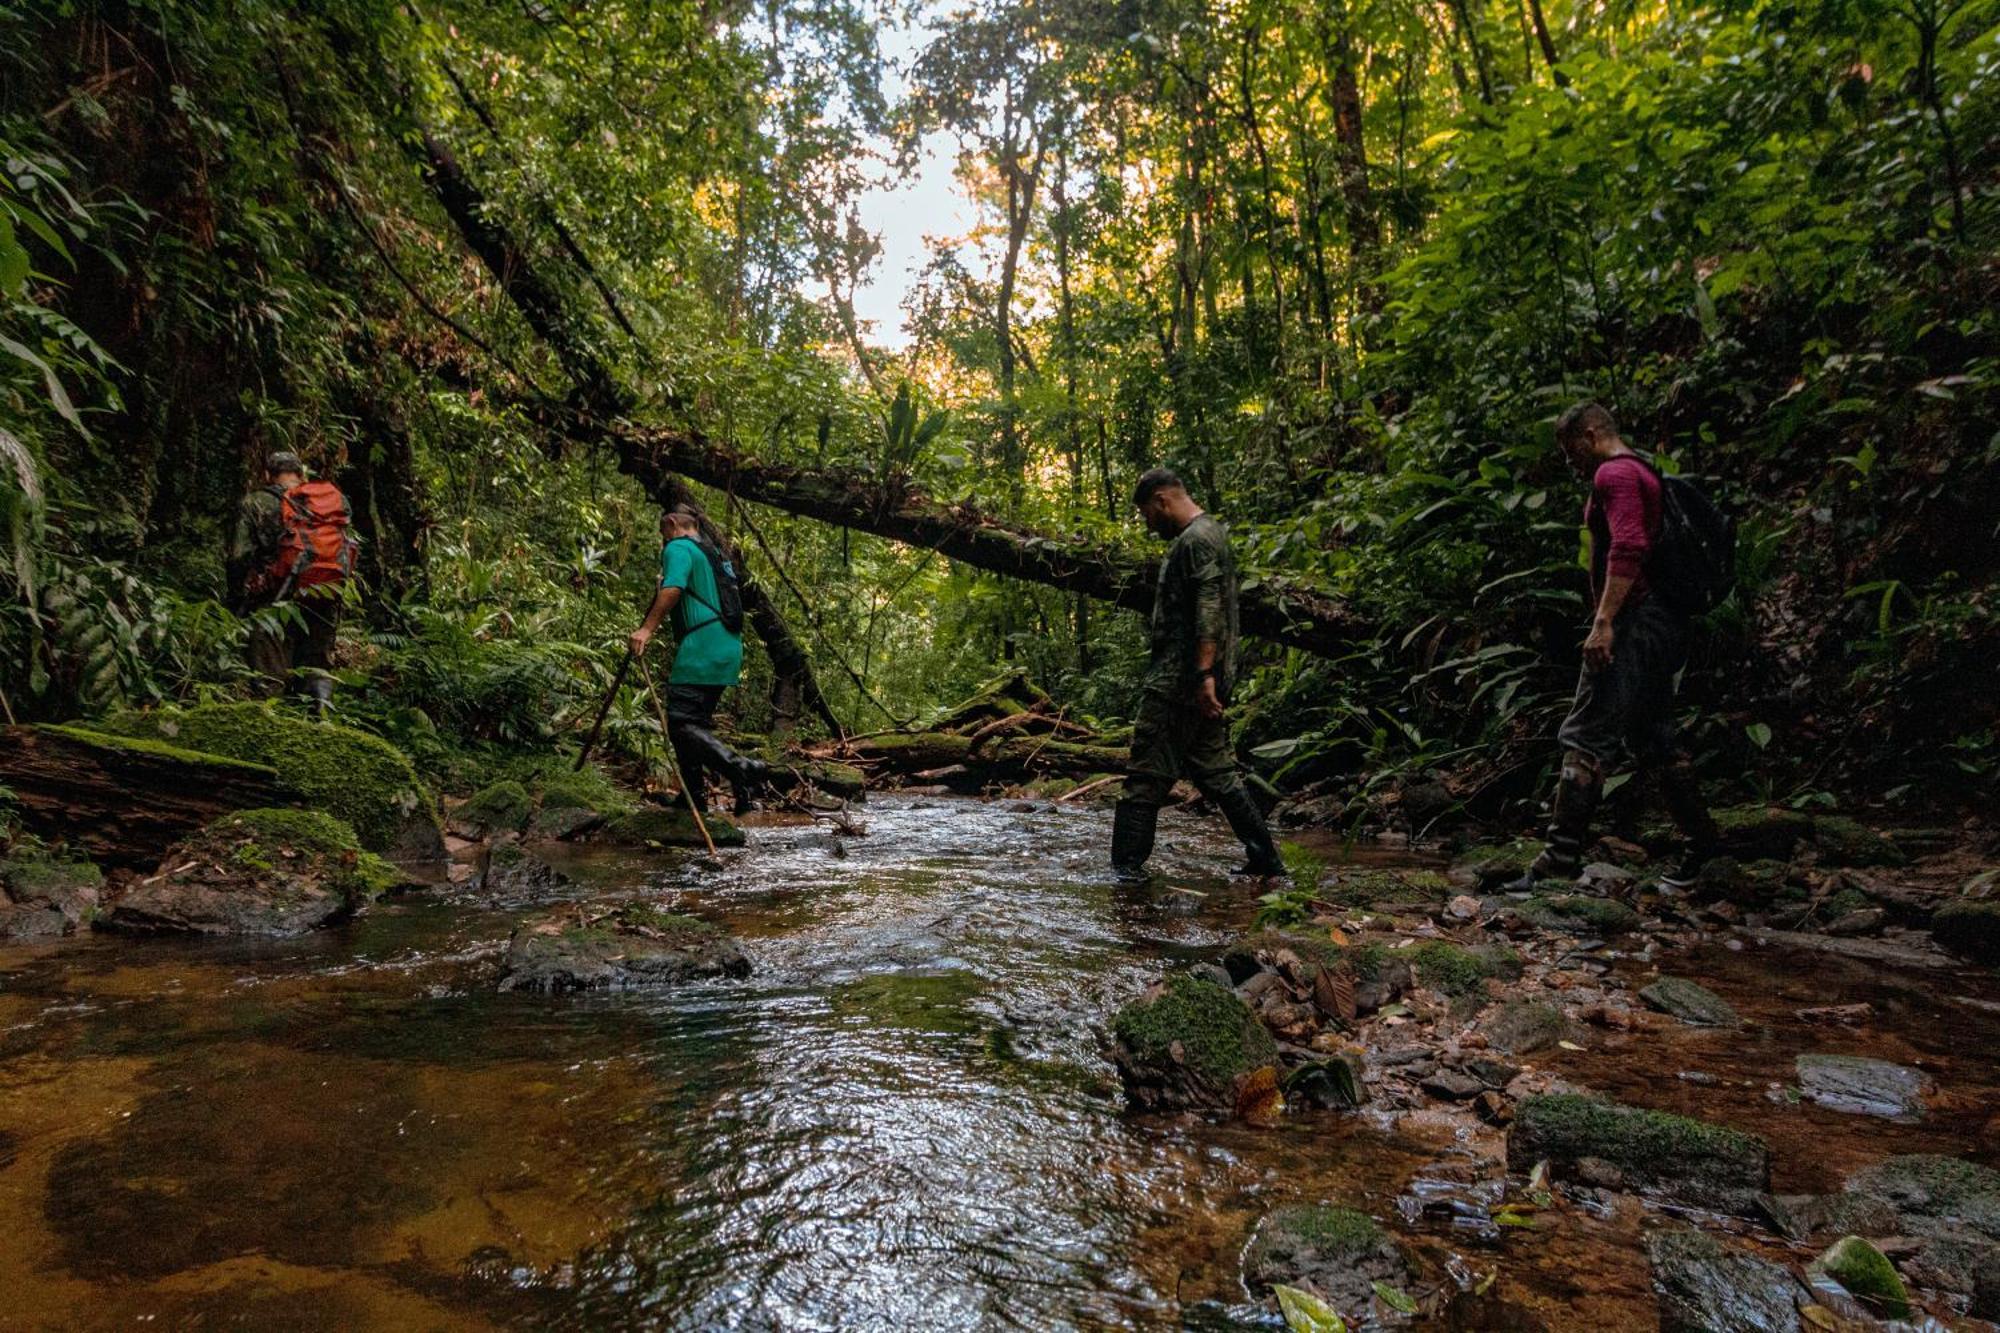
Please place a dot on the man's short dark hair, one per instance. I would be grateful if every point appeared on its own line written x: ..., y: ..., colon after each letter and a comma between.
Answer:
x: 1154, y: 480
x: 1587, y: 415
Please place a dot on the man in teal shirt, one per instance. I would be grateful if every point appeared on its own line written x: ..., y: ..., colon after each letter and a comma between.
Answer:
x: 708, y: 659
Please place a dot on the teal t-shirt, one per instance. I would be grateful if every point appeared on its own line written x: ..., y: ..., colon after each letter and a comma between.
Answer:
x: 708, y: 653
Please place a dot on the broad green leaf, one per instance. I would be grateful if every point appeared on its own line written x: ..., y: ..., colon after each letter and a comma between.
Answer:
x: 1307, y: 1313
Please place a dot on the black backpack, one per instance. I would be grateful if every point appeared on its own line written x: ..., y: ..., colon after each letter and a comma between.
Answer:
x: 727, y: 592
x: 1693, y: 564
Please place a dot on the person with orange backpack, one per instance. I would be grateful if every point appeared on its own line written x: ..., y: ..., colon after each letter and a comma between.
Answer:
x: 294, y: 543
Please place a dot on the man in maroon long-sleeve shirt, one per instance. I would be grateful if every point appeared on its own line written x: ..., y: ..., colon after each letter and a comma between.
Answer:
x: 1635, y: 650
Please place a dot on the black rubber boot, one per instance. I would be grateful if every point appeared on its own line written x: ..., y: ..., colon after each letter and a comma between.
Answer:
x: 1246, y: 821
x: 1681, y: 791
x: 1133, y: 826
x: 688, y: 757
x: 1577, y: 795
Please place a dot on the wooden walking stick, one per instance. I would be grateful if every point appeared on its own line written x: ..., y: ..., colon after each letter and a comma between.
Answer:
x: 590, y: 741
x: 667, y: 748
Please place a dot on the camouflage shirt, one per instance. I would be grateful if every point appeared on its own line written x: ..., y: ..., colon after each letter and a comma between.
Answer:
x: 1195, y: 600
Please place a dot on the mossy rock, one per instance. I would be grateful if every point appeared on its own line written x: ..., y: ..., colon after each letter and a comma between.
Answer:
x: 1447, y: 967
x: 258, y: 872
x: 362, y: 779
x: 1579, y: 913
x: 571, y: 802
x: 1931, y: 1192
x: 657, y: 825
x: 623, y: 947
x: 1847, y: 842
x: 1859, y: 1085
x: 45, y: 894
x: 1340, y: 1252
x: 509, y: 872
x: 1744, y: 881
x: 1496, y: 863
x: 1368, y: 886
x: 1867, y: 1274
x: 502, y: 807
x: 1522, y: 1027
x: 1188, y: 1044
x: 1380, y: 973
x: 1970, y: 928
x: 1687, y: 1161
x: 1754, y: 832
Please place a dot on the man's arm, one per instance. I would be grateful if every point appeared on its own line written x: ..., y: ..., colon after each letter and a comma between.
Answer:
x: 664, y: 602
x: 1206, y: 577
x: 1621, y: 495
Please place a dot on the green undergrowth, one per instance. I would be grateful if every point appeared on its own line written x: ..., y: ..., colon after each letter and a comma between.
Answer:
x: 260, y: 840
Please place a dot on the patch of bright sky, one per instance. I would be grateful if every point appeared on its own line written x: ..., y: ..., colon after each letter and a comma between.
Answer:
x: 905, y: 213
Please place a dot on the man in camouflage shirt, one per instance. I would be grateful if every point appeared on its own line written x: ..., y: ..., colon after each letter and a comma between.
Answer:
x: 1182, y: 729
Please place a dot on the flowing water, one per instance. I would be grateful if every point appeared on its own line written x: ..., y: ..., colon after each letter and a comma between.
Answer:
x: 903, y: 1119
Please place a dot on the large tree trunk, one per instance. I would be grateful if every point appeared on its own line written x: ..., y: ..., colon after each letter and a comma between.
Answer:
x: 124, y: 801
x: 898, y: 511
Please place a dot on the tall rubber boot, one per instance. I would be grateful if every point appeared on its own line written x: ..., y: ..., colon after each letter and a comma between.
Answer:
x: 1577, y: 794
x: 1681, y: 791
x: 1133, y: 826
x: 689, y: 758
x: 746, y: 775
x: 1246, y: 821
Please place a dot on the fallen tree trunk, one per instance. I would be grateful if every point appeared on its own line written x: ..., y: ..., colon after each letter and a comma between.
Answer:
x: 899, y: 511
x: 1011, y: 758
x: 120, y: 800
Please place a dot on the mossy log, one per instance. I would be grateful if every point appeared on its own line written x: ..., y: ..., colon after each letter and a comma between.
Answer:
x: 122, y: 799
x: 1008, y: 758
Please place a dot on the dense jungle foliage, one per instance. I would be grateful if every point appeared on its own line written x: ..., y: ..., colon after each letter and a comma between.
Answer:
x: 1340, y: 262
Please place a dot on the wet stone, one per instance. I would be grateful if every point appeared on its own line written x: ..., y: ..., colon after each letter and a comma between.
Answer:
x: 1933, y: 1193
x: 1861, y: 1086
x: 1579, y: 913
x: 1187, y: 1043
x: 512, y: 873
x: 1339, y: 1252
x: 1705, y: 1286
x: 582, y: 949
x: 1689, y: 1002
x: 1452, y: 1086
x: 1807, y: 1217
x: 1685, y: 1160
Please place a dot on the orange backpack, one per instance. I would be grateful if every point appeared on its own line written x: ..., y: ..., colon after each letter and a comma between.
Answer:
x: 316, y: 547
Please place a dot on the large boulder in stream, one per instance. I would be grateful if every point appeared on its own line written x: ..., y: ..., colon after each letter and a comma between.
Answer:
x: 45, y: 894
x: 1861, y: 1086
x: 257, y: 872
x: 1690, y: 1002
x: 1188, y: 1042
x: 1683, y: 1160
x: 365, y: 781
x: 1706, y: 1286
x: 581, y: 948
x: 1341, y: 1253
x: 500, y: 807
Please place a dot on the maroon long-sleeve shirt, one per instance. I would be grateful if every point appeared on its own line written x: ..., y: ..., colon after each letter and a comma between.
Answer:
x: 1623, y: 514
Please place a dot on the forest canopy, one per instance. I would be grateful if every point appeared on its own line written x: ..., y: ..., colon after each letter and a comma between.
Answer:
x: 514, y: 274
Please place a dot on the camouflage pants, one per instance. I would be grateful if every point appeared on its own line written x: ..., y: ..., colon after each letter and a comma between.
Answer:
x: 309, y: 645
x: 1172, y: 740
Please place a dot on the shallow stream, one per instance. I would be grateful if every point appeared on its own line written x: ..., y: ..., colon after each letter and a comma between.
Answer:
x: 903, y: 1119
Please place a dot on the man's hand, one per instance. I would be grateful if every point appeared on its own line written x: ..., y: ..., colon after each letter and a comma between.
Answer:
x: 640, y: 638
x: 1597, y: 647
x: 1206, y: 700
